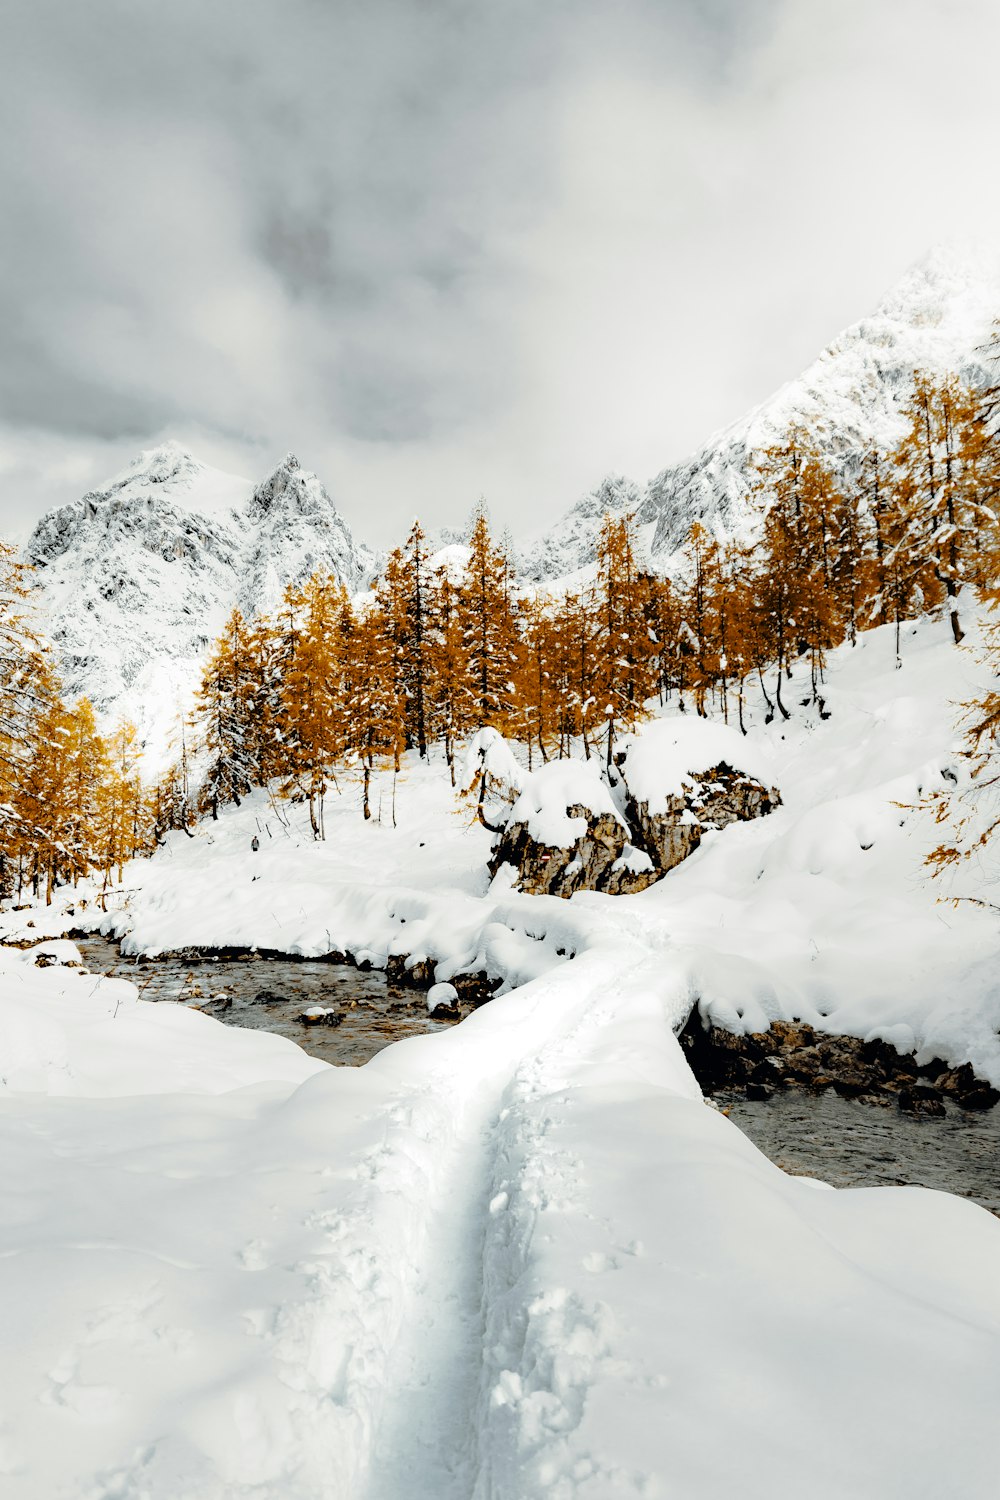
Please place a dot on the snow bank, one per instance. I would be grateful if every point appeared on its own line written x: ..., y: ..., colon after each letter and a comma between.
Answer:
x: 549, y: 793
x: 64, y: 1032
x: 668, y: 754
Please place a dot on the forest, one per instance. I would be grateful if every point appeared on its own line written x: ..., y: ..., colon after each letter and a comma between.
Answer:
x: 436, y: 651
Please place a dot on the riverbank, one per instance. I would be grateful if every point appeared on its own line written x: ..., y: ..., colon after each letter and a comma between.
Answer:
x: 519, y: 1258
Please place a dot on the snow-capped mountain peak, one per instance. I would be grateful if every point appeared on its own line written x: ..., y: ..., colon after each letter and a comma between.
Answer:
x: 941, y: 316
x: 135, y: 579
x: 171, y: 470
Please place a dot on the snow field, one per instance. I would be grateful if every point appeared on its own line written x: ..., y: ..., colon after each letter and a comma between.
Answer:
x: 520, y: 1258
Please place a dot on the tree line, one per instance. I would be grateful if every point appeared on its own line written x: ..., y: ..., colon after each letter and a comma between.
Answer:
x: 435, y: 654
x: 437, y: 651
x: 72, y: 802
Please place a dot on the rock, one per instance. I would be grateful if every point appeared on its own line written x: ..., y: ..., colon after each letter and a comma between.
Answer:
x: 475, y: 989
x: 794, y: 1054
x: 409, y: 973
x: 442, y: 1002
x: 759, y: 1092
x: 710, y: 799
x: 318, y: 1015
x: 981, y: 1097
x: 595, y: 861
x: 920, y: 1099
x: 269, y: 997
x: 770, y: 1072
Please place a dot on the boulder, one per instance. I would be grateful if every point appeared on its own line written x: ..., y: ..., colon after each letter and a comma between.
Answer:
x: 683, y: 776
x: 920, y: 1099
x: 673, y: 827
x: 564, y: 834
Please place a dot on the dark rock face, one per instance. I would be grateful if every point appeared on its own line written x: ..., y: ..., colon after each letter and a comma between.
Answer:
x: 620, y: 858
x: 588, y: 865
x: 716, y: 798
x: 794, y: 1055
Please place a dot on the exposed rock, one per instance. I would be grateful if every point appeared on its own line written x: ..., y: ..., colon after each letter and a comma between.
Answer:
x: 409, y: 973
x: 565, y: 832
x: 759, y: 1092
x: 476, y: 988
x: 711, y: 799
x: 596, y: 861
x: 316, y: 1015
x: 968, y: 1091
x: 797, y: 1055
x: 921, y: 1099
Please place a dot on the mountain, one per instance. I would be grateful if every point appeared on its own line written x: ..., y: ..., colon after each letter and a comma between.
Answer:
x: 570, y: 544
x: 939, y: 317
x: 135, y: 579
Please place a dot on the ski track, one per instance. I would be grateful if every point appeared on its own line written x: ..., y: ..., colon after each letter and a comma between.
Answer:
x: 424, y: 1447
x: 437, y: 1430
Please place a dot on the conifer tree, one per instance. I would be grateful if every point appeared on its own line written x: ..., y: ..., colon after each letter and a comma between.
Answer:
x: 622, y: 680
x: 313, y: 704
x: 945, y: 486
x: 224, y: 706
x: 448, y: 666
x: 489, y: 627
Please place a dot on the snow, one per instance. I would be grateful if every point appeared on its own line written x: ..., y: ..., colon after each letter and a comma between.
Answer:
x: 520, y: 1258
x: 672, y: 753
x: 134, y: 581
x: 549, y: 793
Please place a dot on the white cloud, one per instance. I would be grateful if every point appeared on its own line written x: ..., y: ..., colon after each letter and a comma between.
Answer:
x: 443, y: 253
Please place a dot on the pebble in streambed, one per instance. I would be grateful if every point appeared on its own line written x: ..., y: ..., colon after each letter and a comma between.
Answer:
x: 274, y: 995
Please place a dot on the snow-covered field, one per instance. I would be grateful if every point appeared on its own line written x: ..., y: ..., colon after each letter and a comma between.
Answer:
x: 521, y: 1258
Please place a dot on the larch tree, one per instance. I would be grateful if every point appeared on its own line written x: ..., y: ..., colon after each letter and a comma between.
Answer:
x: 489, y: 626
x: 223, y: 709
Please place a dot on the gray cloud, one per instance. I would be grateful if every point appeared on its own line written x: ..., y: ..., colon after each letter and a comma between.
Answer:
x: 450, y: 247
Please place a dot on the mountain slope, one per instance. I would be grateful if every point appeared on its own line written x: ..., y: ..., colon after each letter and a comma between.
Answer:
x: 135, y: 580
x: 939, y: 317
x: 570, y: 544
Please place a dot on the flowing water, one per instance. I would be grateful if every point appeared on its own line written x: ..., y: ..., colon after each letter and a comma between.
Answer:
x: 842, y: 1142
x: 863, y: 1145
x: 270, y: 994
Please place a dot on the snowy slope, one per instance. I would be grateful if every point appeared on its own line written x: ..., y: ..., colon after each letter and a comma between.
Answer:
x: 135, y: 580
x: 569, y: 545
x: 520, y: 1259
x: 939, y: 317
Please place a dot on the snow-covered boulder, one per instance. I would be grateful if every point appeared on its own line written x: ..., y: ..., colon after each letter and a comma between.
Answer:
x: 683, y: 776
x: 55, y: 952
x: 565, y: 834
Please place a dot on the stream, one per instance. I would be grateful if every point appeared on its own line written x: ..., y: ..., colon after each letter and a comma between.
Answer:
x: 839, y: 1140
x: 270, y: 994
x: 848, y: 1144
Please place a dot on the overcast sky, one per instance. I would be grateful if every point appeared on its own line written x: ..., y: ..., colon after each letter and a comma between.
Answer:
x: 452, y: 248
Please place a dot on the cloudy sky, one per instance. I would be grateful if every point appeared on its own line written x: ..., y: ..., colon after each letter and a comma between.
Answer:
x: 446, y: 249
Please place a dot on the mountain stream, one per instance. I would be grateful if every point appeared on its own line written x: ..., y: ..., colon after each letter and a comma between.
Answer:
x: 838, y: 1140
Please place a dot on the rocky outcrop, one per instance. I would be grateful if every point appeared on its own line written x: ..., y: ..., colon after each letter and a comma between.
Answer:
x: 794, y: 1055
x: 711, y: 799
x: 601, y: 858
x: 564, y: 833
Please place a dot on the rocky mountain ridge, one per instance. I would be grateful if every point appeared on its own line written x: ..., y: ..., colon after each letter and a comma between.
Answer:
x: 134, y: 580
x: 940, y: 317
